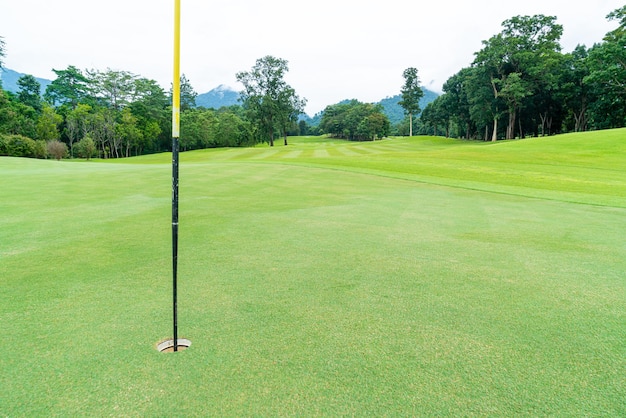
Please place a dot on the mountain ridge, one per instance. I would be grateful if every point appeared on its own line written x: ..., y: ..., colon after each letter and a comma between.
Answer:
x: 9, y: 80
x: 220, y: 96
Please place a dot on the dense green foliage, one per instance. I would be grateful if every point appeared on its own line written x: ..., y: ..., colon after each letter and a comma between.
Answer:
x: 521, y: 84
x: 355, y: 121
x: 207, y: 128
x: 405, y: 277
x: 121, y: 113
x: 21, y: 146
x: 109, y: 114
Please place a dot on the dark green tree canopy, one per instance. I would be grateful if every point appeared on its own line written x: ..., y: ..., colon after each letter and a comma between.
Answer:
x: 29, y: 92
x: 517, y: 64
x: 355, y: 121
x: 70, y: 87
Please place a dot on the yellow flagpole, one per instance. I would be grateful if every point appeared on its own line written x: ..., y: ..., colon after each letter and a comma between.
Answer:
x: 176, y: 81
x: 175, y: 137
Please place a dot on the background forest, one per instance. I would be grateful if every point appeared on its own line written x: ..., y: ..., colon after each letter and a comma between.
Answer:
x: 520, y: 84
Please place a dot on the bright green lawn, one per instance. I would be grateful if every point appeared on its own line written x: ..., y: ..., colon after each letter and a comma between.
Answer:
x: 418, y: 276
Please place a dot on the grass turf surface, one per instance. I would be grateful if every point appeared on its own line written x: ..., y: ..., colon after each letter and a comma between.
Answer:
x: 418, y: 276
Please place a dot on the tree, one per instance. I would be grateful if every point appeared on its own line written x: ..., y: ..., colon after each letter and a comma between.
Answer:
x: 70, y: 87
x: 484, y: 105
x: 86, y: 147
x: 48, y: 124
x: 231, y: 129
x: 130, y: 136
x: 575, y: 92
x: 411, y: 95
x: 513, y: 89
x: 150, y: 107
x: 77, y: 124
x: 187, y: 94
x: 198, y: 127
x: 2, y: 54
x: 268, y: 99
x: 435, y: 115
x: 355, y: 121
x: 290, y: 106
x: 15, y: 117
x: 303, y: 128
x: 455, y: 88
x: 102, y: 130
x: 115, y: 88
x: 607, y: 75
x: 523, y: 47
x: 29, y: 93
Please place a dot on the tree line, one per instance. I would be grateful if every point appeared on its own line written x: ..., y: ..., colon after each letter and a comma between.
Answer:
x: 106, y: 114
x: 521, y: 84
x: 115, y: 114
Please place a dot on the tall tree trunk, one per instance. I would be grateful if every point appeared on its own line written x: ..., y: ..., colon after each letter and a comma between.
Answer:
x: 271, y: 129
x: 510, y: 129
x: 581, y: 120
x: 494, y: 135
x: 410, y: 124
x: 550, y: 125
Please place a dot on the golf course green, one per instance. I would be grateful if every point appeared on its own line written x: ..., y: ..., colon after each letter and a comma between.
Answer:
x: 417, y: 276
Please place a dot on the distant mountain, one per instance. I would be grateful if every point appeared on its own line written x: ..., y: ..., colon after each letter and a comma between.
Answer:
x: 9, y: 81
x: 395, y: 112
x: 218, y: 97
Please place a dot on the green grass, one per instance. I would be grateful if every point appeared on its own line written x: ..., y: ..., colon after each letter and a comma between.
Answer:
x: 418, y: 276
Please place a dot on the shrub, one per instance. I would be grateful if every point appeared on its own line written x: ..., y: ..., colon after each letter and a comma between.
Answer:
x: 56, y: 149
x: 86, y: 148
x: 4, y: 145
x: 41, y: 150
x: 18, y: 146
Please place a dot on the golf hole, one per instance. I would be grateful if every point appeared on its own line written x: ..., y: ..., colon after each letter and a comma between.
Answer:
x: 168, y: 345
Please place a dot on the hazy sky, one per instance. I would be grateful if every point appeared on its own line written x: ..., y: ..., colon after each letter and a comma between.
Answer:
x: 337, y: 49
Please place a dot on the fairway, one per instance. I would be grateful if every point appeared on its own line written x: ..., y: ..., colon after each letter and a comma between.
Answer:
x: 410, y: 276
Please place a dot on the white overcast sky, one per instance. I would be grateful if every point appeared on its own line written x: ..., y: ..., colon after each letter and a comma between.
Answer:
x: 337, y: 49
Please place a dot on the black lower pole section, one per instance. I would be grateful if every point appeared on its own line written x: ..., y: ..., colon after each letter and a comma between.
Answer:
x: 175, y: 237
